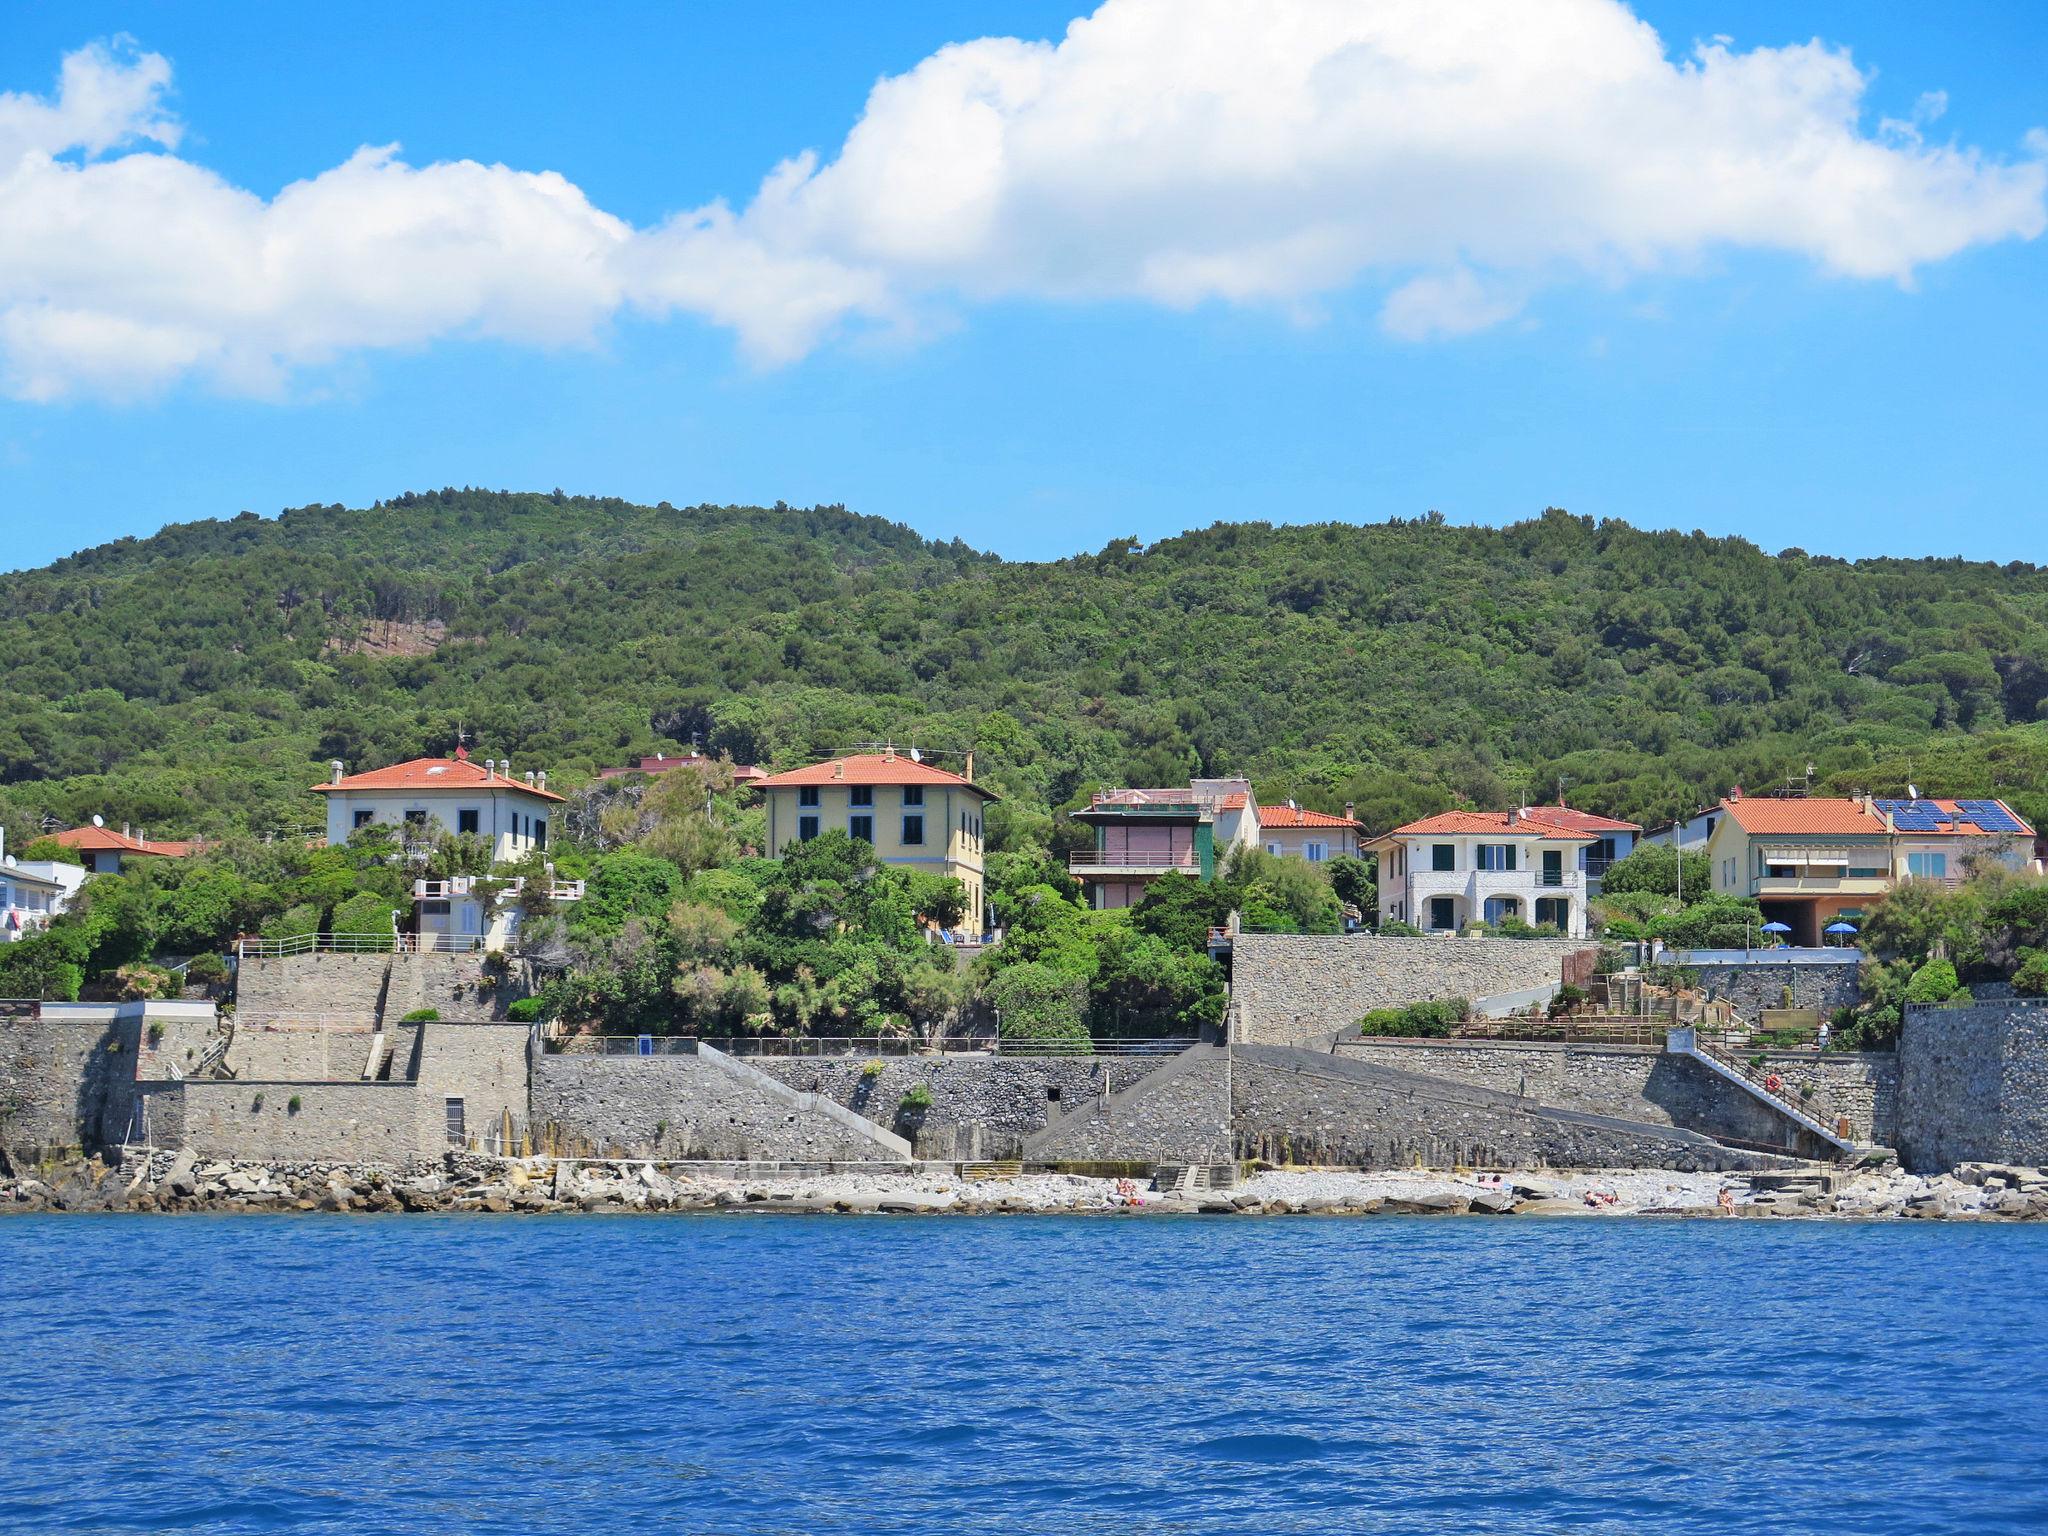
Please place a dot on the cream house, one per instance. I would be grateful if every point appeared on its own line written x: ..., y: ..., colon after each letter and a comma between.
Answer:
x: 913, y: 814
x: 460, y: 797
x: 1316, y: 836
x: 1446, y: 872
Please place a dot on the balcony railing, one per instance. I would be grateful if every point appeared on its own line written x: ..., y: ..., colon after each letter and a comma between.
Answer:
x: 465, y: 885
x: 1101, y: 861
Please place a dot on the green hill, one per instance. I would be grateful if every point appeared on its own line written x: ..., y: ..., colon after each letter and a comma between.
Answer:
x: 199, y: 680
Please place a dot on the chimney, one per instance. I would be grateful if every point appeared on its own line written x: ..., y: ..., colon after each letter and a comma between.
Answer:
x: 1351, y: 810
x: 334, y: 771
x: 124, y: 829
x: 529, y: 778
x: 888, y: 754
x: 1735, y: 793
x: 838, y: 769
x: 543, y: 778
x: 970, y: 765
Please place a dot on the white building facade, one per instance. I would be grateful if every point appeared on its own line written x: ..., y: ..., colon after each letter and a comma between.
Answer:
x: 1446, y: 873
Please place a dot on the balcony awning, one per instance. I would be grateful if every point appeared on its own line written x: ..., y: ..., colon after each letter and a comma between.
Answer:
x: 1774, y: 854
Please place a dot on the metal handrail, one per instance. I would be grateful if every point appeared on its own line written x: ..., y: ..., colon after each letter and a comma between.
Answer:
x: 256, y: 948
x: 1127, y: 859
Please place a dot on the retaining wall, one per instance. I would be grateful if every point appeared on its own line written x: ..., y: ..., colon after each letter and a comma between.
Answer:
x: 372, y: 989
x: 343, y: 1122
x: 1178, y: 1112
x: 982, y: 1108
x: 1973, y: 1086
x: 1638, y: 1082
x: 67, y: 1080
x: 1753, y: 988
x: 1306, y: 1106
x: 680, y: 1107
x: 1289, y: 988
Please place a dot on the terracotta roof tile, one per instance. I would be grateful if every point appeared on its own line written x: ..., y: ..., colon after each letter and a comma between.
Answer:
x: 1804, y: 818
x: 1579, y: 821
x: 1475, y: 823
x: 870, y: 768
x: 1283, y: 817
x: 435, y: 774
x: 107, y: 840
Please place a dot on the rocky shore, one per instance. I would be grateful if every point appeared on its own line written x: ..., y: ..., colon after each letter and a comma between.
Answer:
x: 165, y: 1181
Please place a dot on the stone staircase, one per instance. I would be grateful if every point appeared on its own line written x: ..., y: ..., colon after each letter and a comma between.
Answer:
x: 1108, y: 1106
x: 886, y: 1142
x: 1726, y: 1064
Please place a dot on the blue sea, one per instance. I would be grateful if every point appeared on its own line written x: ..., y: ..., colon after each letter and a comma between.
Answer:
x: 753, y: 1375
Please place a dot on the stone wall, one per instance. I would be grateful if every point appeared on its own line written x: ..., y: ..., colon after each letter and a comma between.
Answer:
x: 372, y: 989
x: 346, y: 1122
x: 678, y: 1107
x: 67, y: 1080
x: 1753, y: 988
x: 983, y: 1107
x: 484, y: 1065
x: 1290, y: 988
x: 1633, y: 1082
x: 1307, y: 1106
x: 1973, y: 1086
x: 1178, y: 1112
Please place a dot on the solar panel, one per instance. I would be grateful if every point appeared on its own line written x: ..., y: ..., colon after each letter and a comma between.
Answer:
x: 1915, y: 815
x: 1990, y: 816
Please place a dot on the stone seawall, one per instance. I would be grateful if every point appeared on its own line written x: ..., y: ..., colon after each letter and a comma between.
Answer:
x: 67, y: 1079
x: 982, y: 1108
x: 1637, y: 1082
x: 1973, y: 1086
x: 679, y: 1107
x: 1304, y: 1106
x: 1178, y: 1112
x: 378, y: 1123
x: 1289, y: 988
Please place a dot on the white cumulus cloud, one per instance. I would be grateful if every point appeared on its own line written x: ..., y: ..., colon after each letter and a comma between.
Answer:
x: 1460, y: 155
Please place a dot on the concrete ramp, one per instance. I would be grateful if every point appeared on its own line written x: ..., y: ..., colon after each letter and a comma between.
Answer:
x: 1179, y: 1112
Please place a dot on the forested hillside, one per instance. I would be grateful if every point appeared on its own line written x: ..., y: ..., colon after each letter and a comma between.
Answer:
x: 198, y: 681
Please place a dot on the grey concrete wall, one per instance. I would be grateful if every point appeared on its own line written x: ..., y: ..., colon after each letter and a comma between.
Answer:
x: 277, y: 1050
x: 982, y: 1107
x: 1644, y: 1083
x: 1179, y: 1112
x: 1305, y: 1106
x: 374, y: 988
x: 677, y: 1106
x: 1753, y: 988
x: 1973, y: 1086
x: 1289, y: 988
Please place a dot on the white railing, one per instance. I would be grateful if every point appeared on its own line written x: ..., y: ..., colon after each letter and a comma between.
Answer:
x: 465, y: 885
x: 358, y: 944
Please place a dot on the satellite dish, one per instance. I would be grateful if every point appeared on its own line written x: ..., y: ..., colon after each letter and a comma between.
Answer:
x: 98, y: 821
x: 916, y: 756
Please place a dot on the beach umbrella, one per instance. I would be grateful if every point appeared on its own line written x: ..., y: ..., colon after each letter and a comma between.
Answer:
x: 1777, y: 928
x: 1840, y: 928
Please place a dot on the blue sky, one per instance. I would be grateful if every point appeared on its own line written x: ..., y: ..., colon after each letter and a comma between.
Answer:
x: 1044, y: 390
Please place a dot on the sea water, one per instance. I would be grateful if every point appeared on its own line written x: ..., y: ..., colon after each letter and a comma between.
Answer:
x: 757, y: 1374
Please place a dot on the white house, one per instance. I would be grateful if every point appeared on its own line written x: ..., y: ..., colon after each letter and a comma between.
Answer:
x: 1446, y: 872
x: 1311, y: 835
x: 458, y: 796
x: 33, y: 891
x: 1611, y: 839
x: 1690, y: 833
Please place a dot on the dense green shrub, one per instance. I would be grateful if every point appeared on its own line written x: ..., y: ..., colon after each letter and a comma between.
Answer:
x: 1039, y: 1002
x: 422, y: 1016
x: 1435, y: 1019
x: 525, y: 1010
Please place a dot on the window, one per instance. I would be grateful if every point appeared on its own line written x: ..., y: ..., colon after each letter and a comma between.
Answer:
x: 1316, y: 852
x: 913, y: 794
x: 415, y: 818
x: 1443, y: 912
x: 364, y: 818
x: 1927, y: 866
x: 913, y: 828
x: 806, y: 828
x: 1497, y: 856
x: 540, y: 832
x: 861, y: 828
x: 466, y: 821
x: 1275, y: 849
x: 807, y: 795
x: 1866, y: 874
x: 863, y: 794
x: 1443, y: 856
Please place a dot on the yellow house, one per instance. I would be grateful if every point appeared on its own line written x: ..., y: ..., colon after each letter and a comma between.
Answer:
x: 915, y: 815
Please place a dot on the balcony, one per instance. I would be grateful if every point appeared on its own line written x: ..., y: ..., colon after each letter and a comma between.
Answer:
x: 1131, y: 864
x: 466, y: 885
x: 1766, y: 887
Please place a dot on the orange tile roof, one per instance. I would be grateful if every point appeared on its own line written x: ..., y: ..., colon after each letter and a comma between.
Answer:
x: 1810, y: 817
x: 1283, y: 817
x: 1237, y: 802
x: 1469, y: 823
x: 870, y: 768
x: 434, y: 774
x: 107, y: 840
x: 1578, y: 821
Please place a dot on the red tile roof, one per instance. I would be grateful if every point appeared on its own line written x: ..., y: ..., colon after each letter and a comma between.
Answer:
x: 434, y: 774
x: 1283, y: 817
x: 870, y: 768
x: 107, y: 840
x: 1470, y: 823
x: 1809, y: 817
x: 1578, y: 821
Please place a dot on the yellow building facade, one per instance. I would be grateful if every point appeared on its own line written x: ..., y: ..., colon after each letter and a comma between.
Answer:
x: 916, y: 816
